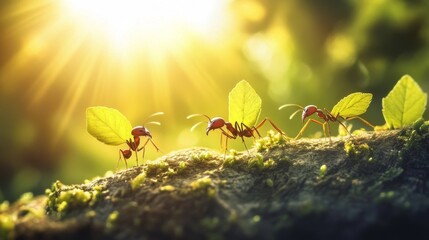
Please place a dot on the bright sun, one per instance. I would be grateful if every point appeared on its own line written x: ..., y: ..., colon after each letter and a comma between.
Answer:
x: 93, y: 48
x: 152, y: 22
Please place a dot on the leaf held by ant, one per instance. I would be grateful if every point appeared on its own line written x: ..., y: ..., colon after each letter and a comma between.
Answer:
x: 108, y: 125
x: 244, y: 104
x: 354, y: 104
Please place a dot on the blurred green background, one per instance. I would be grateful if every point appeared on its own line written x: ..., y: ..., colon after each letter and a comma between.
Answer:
x: 182, y: 57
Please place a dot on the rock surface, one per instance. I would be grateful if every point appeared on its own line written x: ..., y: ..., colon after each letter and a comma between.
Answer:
x: 369, y: 186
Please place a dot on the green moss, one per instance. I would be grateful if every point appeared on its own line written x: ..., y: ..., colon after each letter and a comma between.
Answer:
x: 138, y: 181
x: 156, y: 167
x: 7, y: 226
x: 322, y: 171
x: 201, y: 183
x: 4, y: 206
x: 210, y: 223
x: 204, y: 184
x: 201, y: 156
x: 91, y: 214
x: 269, y: 182
x: 96, y: 195
x: 256, y: 161
x: 111, y: 219
x: 424, y: 128
x: 272, y: 140
x: 349, y: 147
x: 417, y: 124
x: 61, y: 207
x: 270, y: 163
x: 230, y: 159
x: 61, y: 199
x: 361, y: 150
x: 182, y: 165
x: 386, y: 196
x: 256, y: 219
x: 167, y: 188
x: 72, y: 198
x: 25, y: 198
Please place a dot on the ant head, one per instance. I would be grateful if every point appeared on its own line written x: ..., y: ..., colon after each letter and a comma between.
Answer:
x: 140, y: 131
x: 308, y: 111
x: 215, y: 123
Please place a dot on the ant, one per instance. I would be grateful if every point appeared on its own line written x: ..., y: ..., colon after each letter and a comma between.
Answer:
x: 233, y: 131
x: 326, y: 117
x: 133, y: 144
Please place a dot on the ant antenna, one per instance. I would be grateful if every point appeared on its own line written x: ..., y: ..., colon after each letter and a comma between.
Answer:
x: 292, y: 105
x: 198, y: 123
x: 153, y: 115
x: 196, y: 115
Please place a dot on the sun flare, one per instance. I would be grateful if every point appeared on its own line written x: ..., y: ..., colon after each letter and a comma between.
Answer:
x: 161, y: 22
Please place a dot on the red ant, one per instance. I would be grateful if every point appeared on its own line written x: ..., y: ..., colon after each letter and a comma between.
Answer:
x: 325, y: 115
x: 232, y: 132
x: 133, y: 144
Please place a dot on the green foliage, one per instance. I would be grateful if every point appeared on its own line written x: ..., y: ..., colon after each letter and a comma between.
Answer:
x: 108, y: 125
x: 244, y: 104
x: 405, y: 104
x: 353, y: 105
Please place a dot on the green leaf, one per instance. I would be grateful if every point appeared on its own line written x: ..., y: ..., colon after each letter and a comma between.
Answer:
x: 108, y: 125
x: 404, y: 104
x: 244, y: 104
x: 354, y: 104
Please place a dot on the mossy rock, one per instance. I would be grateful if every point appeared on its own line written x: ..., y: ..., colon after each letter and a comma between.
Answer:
x: 369, y: 186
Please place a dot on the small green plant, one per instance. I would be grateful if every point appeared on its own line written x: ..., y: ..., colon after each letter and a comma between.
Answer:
x: 405, y: 104
x: 348, y: 108
x: 201, y: 156
x: 322, y: 171
x: 111, y: 219
x: 244, y: 109
x: 269, y: 182
x: 270, y: 141
x: 138, y: 181
x: 111, y: 127
x: 167, y: 188
x: 204, y: 184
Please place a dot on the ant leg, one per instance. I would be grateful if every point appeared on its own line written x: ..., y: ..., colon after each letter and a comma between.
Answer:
x: 272, y: 124
x: 143, y: 151
x: 117, y: 165
x: 221, y: 140
x: 144, y: 147
x: 121, y: 153
x: 157, y: 149
x: 137, y: 157
x: 306, y: 125
x: 242, y: 139
x: 249, y: 129
x: 363, y: 120
x: 226, y: 145
x: 329, y: 131
x: 240, y: 130
x: 345, y: 128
